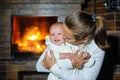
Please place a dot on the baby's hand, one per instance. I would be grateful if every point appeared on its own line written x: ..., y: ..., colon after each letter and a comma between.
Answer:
x: 86, y: 55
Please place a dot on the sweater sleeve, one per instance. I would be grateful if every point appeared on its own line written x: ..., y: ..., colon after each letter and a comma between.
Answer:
x: 90, y: 62
x: 83, y: 74
x: 39, y: 66
x: 65, y: 63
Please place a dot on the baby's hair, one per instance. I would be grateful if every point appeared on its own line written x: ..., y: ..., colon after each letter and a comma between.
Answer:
x: 56, y: 23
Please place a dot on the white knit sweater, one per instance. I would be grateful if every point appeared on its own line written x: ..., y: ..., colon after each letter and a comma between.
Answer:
x: 63, y: 68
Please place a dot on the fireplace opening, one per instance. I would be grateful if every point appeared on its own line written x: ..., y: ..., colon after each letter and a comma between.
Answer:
x: 28, y: 35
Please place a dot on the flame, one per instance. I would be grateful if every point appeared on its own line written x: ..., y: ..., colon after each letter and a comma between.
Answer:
x: 29, y: 33
x: 32, y: 41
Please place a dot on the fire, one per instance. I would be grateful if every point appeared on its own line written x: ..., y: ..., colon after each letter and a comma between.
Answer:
x: 32, y: 41
x: 29, y: 33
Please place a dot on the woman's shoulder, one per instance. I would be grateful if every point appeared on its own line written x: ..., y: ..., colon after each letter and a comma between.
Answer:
x: 92, y: 44
x: 92, y: 48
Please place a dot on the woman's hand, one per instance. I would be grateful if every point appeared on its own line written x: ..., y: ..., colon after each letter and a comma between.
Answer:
x: 48, y: 61
x: 77, y: 60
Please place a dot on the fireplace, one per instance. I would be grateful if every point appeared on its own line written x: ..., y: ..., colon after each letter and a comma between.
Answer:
x: 28, y: 35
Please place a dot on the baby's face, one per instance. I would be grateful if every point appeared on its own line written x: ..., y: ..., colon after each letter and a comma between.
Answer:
x: 56, y: 35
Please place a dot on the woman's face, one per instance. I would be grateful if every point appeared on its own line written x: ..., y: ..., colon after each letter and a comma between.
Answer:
x: 69, y: 37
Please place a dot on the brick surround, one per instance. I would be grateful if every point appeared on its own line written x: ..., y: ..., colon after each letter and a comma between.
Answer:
x: 112, y: 17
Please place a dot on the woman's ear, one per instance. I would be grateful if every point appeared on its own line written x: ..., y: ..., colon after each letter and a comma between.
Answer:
x: 85, y: 40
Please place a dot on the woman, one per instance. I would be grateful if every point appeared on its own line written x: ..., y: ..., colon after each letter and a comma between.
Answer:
x: 83, y: 29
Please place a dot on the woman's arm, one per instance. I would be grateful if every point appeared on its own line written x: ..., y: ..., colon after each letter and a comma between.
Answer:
x: 39, y: 66
x: 77, y: 60
x: 84, y: 73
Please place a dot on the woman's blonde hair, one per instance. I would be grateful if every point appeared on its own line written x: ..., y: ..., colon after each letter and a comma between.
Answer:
x: 82, y: 24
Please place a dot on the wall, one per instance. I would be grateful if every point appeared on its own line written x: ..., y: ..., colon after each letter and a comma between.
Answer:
x: 112, y: 18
